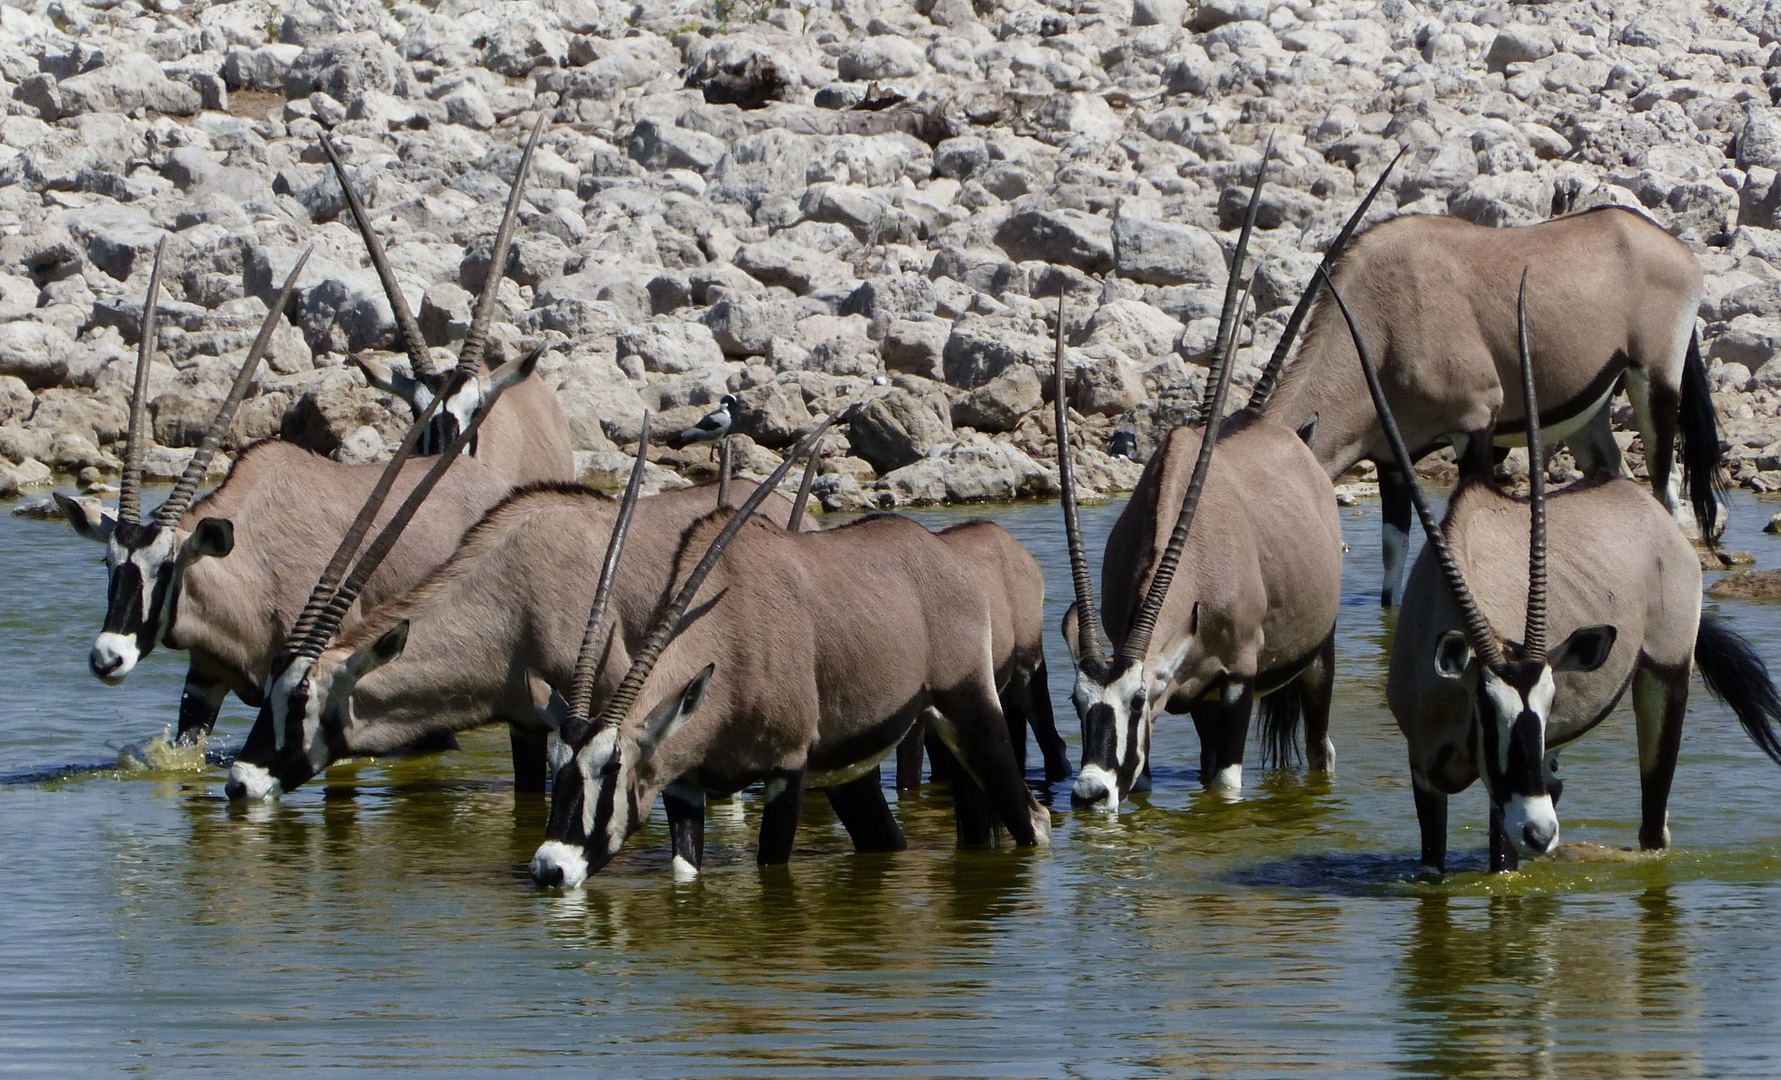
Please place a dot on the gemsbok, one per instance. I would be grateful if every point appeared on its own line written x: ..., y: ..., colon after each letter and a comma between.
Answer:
x: 1615, y: 299
x: 1609, y: 579
x: 1016, y: 588
x: 487, y: 636
x: 806, y: 660
x: 525, y: 440
x: 1253, y: 613
x: 223, y: 576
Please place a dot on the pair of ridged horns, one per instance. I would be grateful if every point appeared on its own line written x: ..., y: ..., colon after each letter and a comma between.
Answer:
x: 1478, y: 630
x: 1210, y: 410
x: 581, y: 692
x: 470, y: 356
x: 135, y: 444
x: 336, y: 589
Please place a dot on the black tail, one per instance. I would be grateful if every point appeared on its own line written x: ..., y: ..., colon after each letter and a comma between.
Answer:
x: 1281, y: 713
x: 1737, y: 676
x: 1702, y: 461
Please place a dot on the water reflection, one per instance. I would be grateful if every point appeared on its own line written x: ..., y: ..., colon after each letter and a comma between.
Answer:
x: 1546, y: 986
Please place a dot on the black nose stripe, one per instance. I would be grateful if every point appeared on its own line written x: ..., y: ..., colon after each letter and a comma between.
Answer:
x: 1100, y: 735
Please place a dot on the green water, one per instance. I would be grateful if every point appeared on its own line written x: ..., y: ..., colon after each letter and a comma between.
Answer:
x: 382, y: 920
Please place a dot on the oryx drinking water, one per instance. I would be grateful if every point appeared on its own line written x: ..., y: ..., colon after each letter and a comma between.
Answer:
x: 1611, y: 596
x: 1252, y: 534
x: 223, y: 576
x: 1614, y: 304
x: 806, y: 661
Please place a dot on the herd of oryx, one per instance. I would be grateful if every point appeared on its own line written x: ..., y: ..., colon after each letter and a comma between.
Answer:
x: 680, y: 646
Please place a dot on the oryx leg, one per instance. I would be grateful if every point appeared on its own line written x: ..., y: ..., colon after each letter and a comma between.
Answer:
x: 1431, y: 818
x: 1594, y: 447
x: 1395, y: 507
x: 968, y: 720
x: 1503, y: 856
x: 1317, y: 686
x: 685, y: 806
x: 531, y: 750
x: 199, y: 704
x: 1014, y: 713
x: 909, y: 756
x: 779, y: 818
x: 1660, y: 701
x: 941, y: 763
x: 865, y: 815
x: 1655, y: 412
x: 1222, y: 719
x: 1035, y: 695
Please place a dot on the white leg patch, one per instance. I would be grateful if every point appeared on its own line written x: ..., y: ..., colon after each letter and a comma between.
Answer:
x: 683, y: 869
x: 1229, y: 778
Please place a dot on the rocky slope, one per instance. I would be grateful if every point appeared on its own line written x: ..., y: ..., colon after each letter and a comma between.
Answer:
x: 812, y: 204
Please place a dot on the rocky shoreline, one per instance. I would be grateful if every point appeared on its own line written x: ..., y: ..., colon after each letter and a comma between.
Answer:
x: 807, y: 205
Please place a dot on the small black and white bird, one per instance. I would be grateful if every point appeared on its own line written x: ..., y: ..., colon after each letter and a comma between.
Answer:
x: 1125, y: 445
x: 713, y: 425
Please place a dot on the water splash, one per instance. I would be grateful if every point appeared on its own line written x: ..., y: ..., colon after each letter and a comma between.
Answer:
x: 161, y: 754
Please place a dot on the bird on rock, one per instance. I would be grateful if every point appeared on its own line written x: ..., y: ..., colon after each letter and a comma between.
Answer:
x: 713, y: 425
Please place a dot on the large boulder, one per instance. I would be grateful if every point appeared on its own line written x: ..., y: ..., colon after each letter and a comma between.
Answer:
x: 971, y: 470
x: 1002, y: 403
x: 773, y: 415
x: 344, y: 67
x: 132, y: 81
x: 668, y: 345
x: 1167, y: 253
x: 895, y: 430
x: 979, y: 349
x: 34, y: 353
x: 1070, y: 237
x: 747, y: 325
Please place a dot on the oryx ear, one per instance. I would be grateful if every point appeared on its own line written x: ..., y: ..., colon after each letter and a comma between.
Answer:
x: 213, y: 536
x: 508, y: 374
x: 554, y: 713
x: 672, y: 713
x: 1308, y: 430
x: 1452, y: 653
x: 1072, y: 632
x: 90, y: 520
x: 1172, y: 660
x: 1585, y: 650
x: 385, y: 649
x: 384, y: 377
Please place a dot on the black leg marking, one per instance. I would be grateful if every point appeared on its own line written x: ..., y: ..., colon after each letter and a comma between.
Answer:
x: 985, y: 767
x: 779, y: 818
x: 530, y: 751
x: 1036, y: 690
x: 1503, y: 856
x: 941, y: 763
x: 1431, y: 817
x: 199, y: 704
x: 971, y: 808
x: 860, y: 805
x: 1395, y: 507
x: 909, y: 756
x: 1224, y: 730
x: 686, y: 822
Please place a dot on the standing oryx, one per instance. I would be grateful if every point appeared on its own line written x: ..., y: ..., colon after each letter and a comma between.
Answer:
x: 1016, y: 587
x: 1254, y: 613
x: 527, y: 438
x: 1615, y: 299
x: 223, y: 576
x: 807, y: 659
x: 1623, y: 589
x: 488, y: 634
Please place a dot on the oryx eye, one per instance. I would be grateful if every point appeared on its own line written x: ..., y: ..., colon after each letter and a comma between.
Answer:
x: 1137, y: 704
x: 611, y: 766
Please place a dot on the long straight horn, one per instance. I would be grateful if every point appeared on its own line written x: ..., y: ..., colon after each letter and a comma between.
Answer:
x: 1534, y: 640
x: 1137, y: 643
x: 626, y: 695
x: 341, y: 561
x: 175, y: 507
x: 1484, y: 643
x: 1264, y: 386
x: 1233, y: 281
x: 335, y: 610
x: 796, y: 521
x: 418, y: 360
x: 1088, y: 617
x: 129, y: 500
x: 476, y: 342
x: 726, y: 464
x: 581, y: 690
